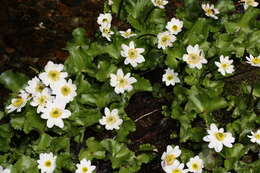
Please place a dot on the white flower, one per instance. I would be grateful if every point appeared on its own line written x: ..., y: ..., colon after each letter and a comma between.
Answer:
x: 255, y: 138
x: 132, y: 54
x: 210, y: 10
x: 127, y: 34
x: 174, y: 26
x: 53, y: 74
x: 170, y: 78
x: 122, y: 82
x: 85, y: 167
x: 6, y: 170
x: 176, y: 167
x: 248, y: 3
x: 165, y: 39
x: 55, y: 112
x: 169, y: 157
x: 18, y: 103
x: 225, y: 65
x: 217, y: 138
x: 41, y: 99
x: 195, y: 164
x: 35, y: 86
x: 111, y: 120
x: 65, y: 90
x: 106, y: 32
x: 104, y: 19
x: 110, y: 2
x: 47, y: 162
x: 195, y: 57
x: 254, y: 61
x: 159, y: 3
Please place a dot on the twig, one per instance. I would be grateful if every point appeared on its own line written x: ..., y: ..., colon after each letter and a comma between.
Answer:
x: 34, y: 69
x: 147, y: 114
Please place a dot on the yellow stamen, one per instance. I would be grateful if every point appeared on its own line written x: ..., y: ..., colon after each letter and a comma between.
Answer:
x: 84, y: 169
x: 169, y: 159
x: 48, y: 163
x: 220, y: 136
x: 55, y: 113
x: 65, y: 90
x: 54, y: 75
x: 110, y: 120
x: 132, y: 53
x: 193, y: 58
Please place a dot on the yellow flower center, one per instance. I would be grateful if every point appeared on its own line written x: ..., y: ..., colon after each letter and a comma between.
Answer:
x: 176, y: 171
x: 18, y: 102
x: 257, y: 136
x: 126, y: 34
x: 132, y: 53
x: 220, y: 136
x: 224, y: 66
x: 169, y: 159
x: 159, y: 2
x: 55, y: 113
x: 105, y: 20
x: 256, y: 60
x: 42, y: 100
x: 84, y: 169
x: 122, y: 83
x: 48, y: 163
x: 65, y: 90
x: 106, y: 30
x: 54, y: 75
x: 165, y: 39
x: 193, y: 58
x: 195, y: 166
x: 39, y: 87
x: 170, y: 77
x: 209, y: 11
x: 111, y: 120
x: 174, y: 27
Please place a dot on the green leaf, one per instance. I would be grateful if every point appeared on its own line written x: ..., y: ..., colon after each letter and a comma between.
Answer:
x: 33, y: 122
x: 94, y: 150
x: 43, y: 142
x: 234, y: 154
x: 86, y: 117
x: 17, y: 122
x: 105, y: 68
x: 64, y: 160
x: 127, y: 127
x: 119, y: 153
x: 26, y: 164
x: 256, y: 91
x: 60, y: 144
x: 99, y: 96
x: 13, y: 81
x: 225, y: 6
x: 210, y: 158
x: 5, y: 137
x: 250, y: 15
x: 2, y: 114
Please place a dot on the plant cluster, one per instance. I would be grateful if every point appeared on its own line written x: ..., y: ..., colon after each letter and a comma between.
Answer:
x: 72, y: 116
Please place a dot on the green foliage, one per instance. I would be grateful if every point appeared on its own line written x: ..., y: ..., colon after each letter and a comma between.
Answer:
x: 12, y: 80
